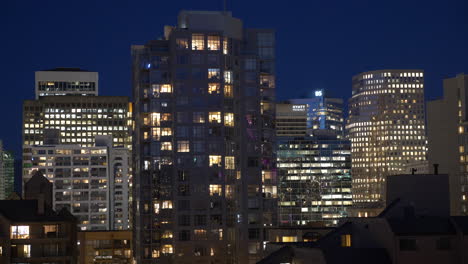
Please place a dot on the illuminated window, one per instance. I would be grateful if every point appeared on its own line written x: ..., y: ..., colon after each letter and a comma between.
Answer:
x: 213, y: 88
x: 215, y: 189
x: 214, y: 117
x: 155, y: 133
x: 213, y: 43
x: 166, y: 146
x: 225, y: 46
x: 167, y: 249
x: 215, y: 160
x: 167, y: 234
x: 167, y: 204
x: 214, y: 74
x: 166, y: 117
x: 228, y: 78
x: 155, y: 119
x: 228, y: 92
x: 166, y: 131
x: 346, y: 240
x: 183, y: 146
x: 198, y: 117
x: 229, y: 119
x: 166, y: 88
x: 289, y: 238
x: 198, y: 42
x: 182, y: 43
x: 229, y: 163
x: 155, y: 253
x: 51, y: 230
x: 19, y: 232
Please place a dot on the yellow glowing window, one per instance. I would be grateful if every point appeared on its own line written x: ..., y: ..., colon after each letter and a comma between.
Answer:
x: 214, y: 117
x: 167, y: 249
x: 166, y: 146
x: 183, y: 146
x: 213, y: 88
x: 166, y: 131
x: 228, y: 77
x: 215, y: 160
x: 155, y: 133
x: 289, y: 238
x: 229, y: 163
x: 346, y: 240
x: 213, y: 43
x: 166, y: 88
x: 215, y: 189
x: 155, y: 119
x: 462, y: 149
x: 198, y: 42
x: 19, y: 232
x: 228, y: 92
x: 167, y: 234
x: 167, y: 204
x: 229, y: 119
x: 225, y: 46
x: 166, y: 117
x: 460, y: 130
x: 155, y: 253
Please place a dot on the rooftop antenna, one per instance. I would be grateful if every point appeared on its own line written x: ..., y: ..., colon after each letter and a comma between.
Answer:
x: 224, y: 6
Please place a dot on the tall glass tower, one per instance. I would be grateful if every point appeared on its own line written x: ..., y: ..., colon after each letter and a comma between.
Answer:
x: 205, y: 184
x: 387, y: 131
x: 7, y: 173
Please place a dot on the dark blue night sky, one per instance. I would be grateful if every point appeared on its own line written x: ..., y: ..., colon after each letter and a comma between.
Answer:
x: 321, y: 44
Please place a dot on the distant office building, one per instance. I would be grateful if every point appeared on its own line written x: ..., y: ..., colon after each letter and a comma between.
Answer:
x: 415, y: 227
x: 31, y: 232
x: 99, y: 247
x: 291, y: 120
x: 7, y: 173
x: 66, y: 81
x: 314, y: 180
x: 386, y: 129
x: 91, y: 182
x: 76, y: 120
x: 205, y: 182
x: 313, y: 160
x: 323, y: 113
x: 448, y: 139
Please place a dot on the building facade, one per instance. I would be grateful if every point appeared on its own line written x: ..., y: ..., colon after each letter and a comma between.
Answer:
x: 99, y: 247
x: 36, y: 234
x: 386, y: 127
x: 76, y: 120
x: 66, y: 81
x: 90, y: 182
x: 314, y: 180
x: 447, y: 132
x: 7, y: 173
x: 323, y: 113
x: 205, y: 184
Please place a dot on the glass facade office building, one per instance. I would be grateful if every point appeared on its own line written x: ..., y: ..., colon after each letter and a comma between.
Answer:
x: 386, y: 127
x: 205, y: 184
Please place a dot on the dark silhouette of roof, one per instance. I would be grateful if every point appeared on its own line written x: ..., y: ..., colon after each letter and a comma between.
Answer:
x: 422, y: 226
x: 27, y: 211
x: 282, y: 255
x: 462, y: 223
x: 350, y: 255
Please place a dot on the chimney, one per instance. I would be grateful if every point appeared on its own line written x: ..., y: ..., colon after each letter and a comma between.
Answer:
x: 436, y: 169
x: 40, y: 204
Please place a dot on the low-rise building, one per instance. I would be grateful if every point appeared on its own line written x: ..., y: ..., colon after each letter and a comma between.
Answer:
x: 105, y: 247
x: 31, y: 232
